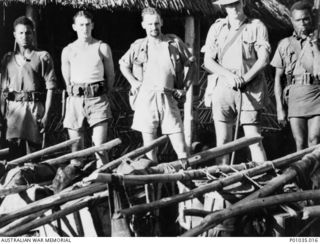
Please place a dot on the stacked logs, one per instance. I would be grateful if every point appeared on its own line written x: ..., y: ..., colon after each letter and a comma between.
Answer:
x: 107, y: 183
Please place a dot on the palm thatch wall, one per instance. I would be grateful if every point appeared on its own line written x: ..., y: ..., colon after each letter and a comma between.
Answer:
x: 204, y: 7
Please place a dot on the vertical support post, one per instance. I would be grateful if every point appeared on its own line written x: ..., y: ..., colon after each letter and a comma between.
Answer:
x: 32, y: 12
x: 192, y: 37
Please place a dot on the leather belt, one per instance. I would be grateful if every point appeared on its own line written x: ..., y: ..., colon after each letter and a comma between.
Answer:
x: 24, y: 96
x: 88, y: 90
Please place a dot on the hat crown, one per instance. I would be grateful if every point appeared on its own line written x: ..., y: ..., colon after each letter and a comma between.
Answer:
x: 225, y: 2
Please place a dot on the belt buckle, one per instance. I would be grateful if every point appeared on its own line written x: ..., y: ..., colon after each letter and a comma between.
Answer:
x: 85, y: 92
x: 306, y: 79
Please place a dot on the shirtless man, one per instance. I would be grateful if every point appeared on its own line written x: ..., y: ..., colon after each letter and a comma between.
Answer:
x: 88, y: 71
x: 154, y: 65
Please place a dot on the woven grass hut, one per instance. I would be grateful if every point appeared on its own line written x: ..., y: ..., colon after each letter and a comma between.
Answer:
x: 117, y: 22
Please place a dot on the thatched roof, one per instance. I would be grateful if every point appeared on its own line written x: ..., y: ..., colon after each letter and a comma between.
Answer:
x: 274, y: 13
x: 203, y: 7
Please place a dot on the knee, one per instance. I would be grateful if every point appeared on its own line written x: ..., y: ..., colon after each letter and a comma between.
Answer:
x: 256, y: 147
x: 222, y: 139
x: 313, y: 140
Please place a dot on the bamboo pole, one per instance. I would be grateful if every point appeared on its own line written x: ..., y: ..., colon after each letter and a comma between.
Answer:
x: 219, y: 184
x: 85, y: 152
x: 4, y: 152
x: 17, y: 189
x: 227, y: 148
x: 188, y: 105
x: 57, y: 215
x: 133, y: 154
x: 21, y: 221
x: 43, y: 152
x: 51, y: 201
x: 213, y: 219
x: 308, y: 161
x: 156, y: 178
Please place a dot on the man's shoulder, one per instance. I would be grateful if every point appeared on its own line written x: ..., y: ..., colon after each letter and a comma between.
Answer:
x: 173, y: 38
x: 43, y: 55
x: 7, y: 57
x: 255, y: 23
x: 285, y: 42
x: 139, y: 41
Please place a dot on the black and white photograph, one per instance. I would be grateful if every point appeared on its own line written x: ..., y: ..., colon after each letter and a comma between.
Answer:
x: 159, y: 118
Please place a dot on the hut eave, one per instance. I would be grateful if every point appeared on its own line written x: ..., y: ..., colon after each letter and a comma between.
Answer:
x: 187, y: 7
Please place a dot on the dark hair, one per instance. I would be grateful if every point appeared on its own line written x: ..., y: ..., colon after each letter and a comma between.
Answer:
x: 150, y: 11
x: 83, y: 13
x: 23, y: 20
x: 301, y: 5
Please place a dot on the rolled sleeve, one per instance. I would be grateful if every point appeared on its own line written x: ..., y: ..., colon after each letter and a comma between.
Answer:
x: 262, y: 40
x: 211, y: 48
x: 188, y: 58
x: 277, y: 60
x: 49, y: 73
x: 127, y: 59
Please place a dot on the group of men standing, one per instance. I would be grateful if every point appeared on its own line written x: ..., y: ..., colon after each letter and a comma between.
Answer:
x: 160, y: 70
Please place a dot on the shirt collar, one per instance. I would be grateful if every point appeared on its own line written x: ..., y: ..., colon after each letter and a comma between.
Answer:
x: 245, y: 20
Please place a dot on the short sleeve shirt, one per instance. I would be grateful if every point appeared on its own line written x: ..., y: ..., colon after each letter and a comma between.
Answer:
x: 137, y: 56
x: 241, y: 55
x: 37, y: 74
x: 289, y: 56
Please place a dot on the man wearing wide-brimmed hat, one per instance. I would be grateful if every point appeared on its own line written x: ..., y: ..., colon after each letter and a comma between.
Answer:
x: 236, y: 51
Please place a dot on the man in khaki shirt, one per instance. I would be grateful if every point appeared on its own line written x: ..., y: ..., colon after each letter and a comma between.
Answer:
x: 155, y: 66
x: 236, y: 51
x: 297, y: 58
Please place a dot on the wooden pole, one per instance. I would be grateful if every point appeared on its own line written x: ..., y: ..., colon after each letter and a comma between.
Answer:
x: 4, y: 152
x: 32, y: 13
x: 57, y: 215
x: 51, y: 201
x: 85, y: 152
x: 17, y: 189
x: 43, y: 152
x: 188, y: 115
x: 131, y: 155
x: 173, y: 177
x: 213, y: 219
x: 219, y: 184
x: 215, y: 152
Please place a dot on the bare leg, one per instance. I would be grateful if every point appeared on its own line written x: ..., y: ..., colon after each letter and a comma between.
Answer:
x: 99, y: 136
x: 299, y: 128
x: 223, y: 135
x: 147, y: 139
x: 258, y: 153
x: 313, y: 131
x: 76, y: 146
x: 179, y: 144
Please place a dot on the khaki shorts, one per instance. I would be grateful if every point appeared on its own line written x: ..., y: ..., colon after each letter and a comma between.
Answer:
x: 95, y: 110
x: 154, y: 109
x: 225, y: 108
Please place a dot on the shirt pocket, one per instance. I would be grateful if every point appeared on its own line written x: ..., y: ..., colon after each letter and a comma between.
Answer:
x: 138, y: 65
x: 248, y: 50
x: 290, y: 60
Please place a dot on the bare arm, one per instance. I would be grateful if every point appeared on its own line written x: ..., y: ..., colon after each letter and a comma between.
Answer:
x: 65, y: 67
x: 260, y: 64
x: 106, y: 53
x: 127, y: 73
x: 278, y: 92
x: 233, y: 80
